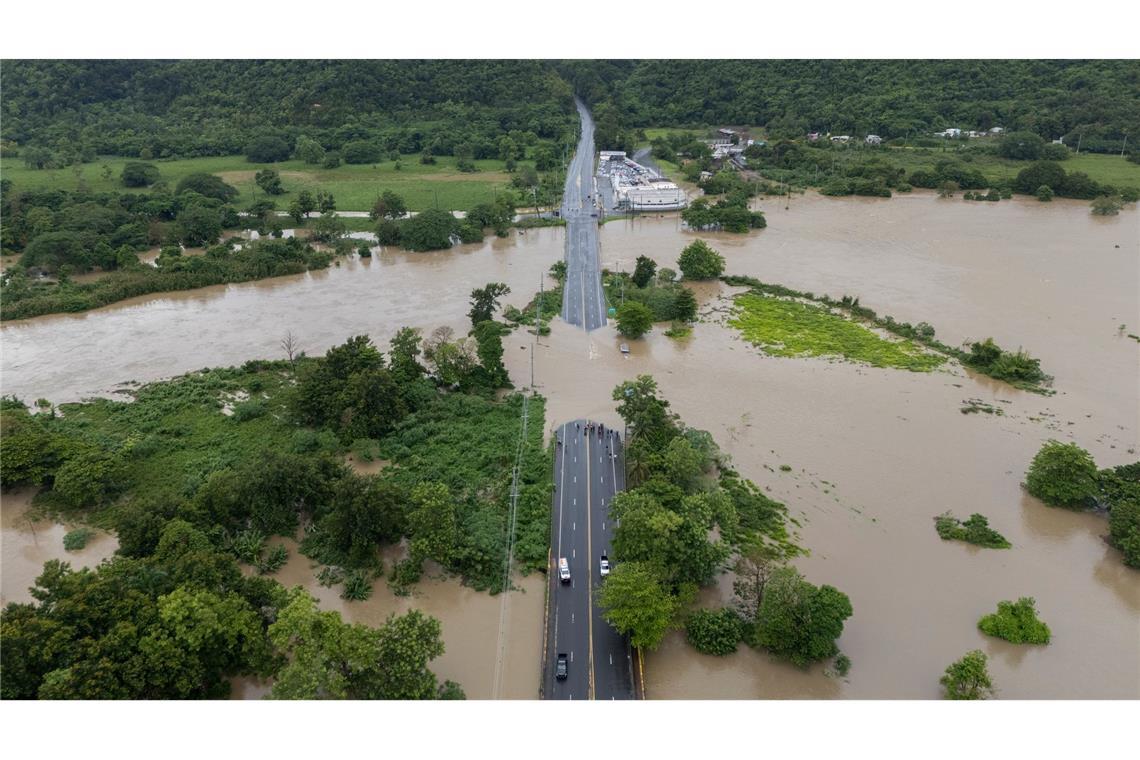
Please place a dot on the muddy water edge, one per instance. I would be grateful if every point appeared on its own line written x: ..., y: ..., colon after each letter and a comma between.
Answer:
x: 875, y: 453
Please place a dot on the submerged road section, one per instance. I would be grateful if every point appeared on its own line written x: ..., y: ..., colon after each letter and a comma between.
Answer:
x: 589, y: 470
x: 583, y: 302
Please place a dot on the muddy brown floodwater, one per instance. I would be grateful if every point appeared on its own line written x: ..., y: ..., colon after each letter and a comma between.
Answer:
x: 28, y: 543
x: 875, y: 453
x: 469, y: 618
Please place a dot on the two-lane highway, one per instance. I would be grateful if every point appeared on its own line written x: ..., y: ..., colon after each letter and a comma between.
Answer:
x: 588, y: 471
x: 583, y: 302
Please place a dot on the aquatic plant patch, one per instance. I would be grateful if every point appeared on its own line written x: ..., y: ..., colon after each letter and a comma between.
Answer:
x: 790, y: 328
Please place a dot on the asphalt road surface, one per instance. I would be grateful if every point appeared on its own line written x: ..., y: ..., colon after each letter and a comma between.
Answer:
x: 583, y: 302
x: 588, y: 470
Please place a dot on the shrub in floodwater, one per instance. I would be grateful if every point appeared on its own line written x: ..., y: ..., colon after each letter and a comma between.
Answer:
x: 247, y: 545
x: 77, y: 539
x: 1062, y: 475
x: 968, y: 678
x: 1016, y: 622
x: 715, y: 632
x: 1044, y: 193
x: 330, y: 576
x: 975, y: 530
x: 357, y: 586
x: 842, y: 664
x: 273, y: 561
x: 366, y: 449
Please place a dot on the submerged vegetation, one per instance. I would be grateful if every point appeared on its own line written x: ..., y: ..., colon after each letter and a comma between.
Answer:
x: 1016, y: 622
x: 790, y: 328
x: 1018, y: 369
x: 1064, y: 475
x: 968, y: 678
x: 689, y: 515
x: 975, y: 530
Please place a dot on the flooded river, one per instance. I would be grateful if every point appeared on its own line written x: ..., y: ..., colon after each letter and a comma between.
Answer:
x: 875, y: 453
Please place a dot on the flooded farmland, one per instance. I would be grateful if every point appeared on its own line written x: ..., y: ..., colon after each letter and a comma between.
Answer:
x: 875, y: 454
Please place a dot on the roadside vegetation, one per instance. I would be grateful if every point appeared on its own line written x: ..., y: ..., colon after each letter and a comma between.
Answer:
x: 687, y: 517
x: 1018, y: 368
x: 646, y: 296
x: 974, y: 530
x: 1064, y: 475
x: 1016, y: 622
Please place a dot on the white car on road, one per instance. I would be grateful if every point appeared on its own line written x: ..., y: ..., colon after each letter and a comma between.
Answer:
x: 605, y: 566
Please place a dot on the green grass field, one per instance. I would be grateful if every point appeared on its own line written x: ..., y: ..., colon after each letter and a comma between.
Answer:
x: 354, y: 186
x: 1107, y: 169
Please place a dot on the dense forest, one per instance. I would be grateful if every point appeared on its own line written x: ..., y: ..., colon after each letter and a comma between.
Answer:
x: 197, y: 108
x: 201, y: 108
x: 1098, y: 99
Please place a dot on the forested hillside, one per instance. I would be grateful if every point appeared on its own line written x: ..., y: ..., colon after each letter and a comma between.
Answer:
x: 191, y: 108
x: 1100, y: 99
x: 196, y: 108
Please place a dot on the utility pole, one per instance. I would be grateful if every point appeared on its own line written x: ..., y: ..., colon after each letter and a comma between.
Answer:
x: 1080, y: 137
x: 1123, y: 144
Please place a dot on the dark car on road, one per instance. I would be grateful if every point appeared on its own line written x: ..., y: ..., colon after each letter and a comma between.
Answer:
x: 562, y: 669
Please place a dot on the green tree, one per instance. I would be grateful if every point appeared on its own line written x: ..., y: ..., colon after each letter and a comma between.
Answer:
x: 370, y: 405
x: 404, y: 352
x: 968, y: 678
x: 388, y: 205
x: 685, y: 305
x: 634, y: 319
x: 267, y: 149
x: 88, y: 477
x: 137, y: 174
x: 1032, y: 177
x: 309, y: 150
x: 432, y: 521
x: 485, y: 301
x: 1106, y: 205
x: 207, y: 185
x: 715, y: 632
x: 644, y: 270
x: 302, y: 206
x: 700, y: 262
x: 406, y: 645
x: 1044, y: 193
x: 326, y: 658
x: 799, y: 621
x: 645, y: 414
x: 635, y: 603
x: 199, y: 226
x: 269, y: 180
x: 429, y: 230
x: 29, y: 452
x: 1016, y: 622
x: 1062, y: 475
x: 1021, y: 146
x: 328, y: 227
x: 489, y: 347
x: 325, y: 202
